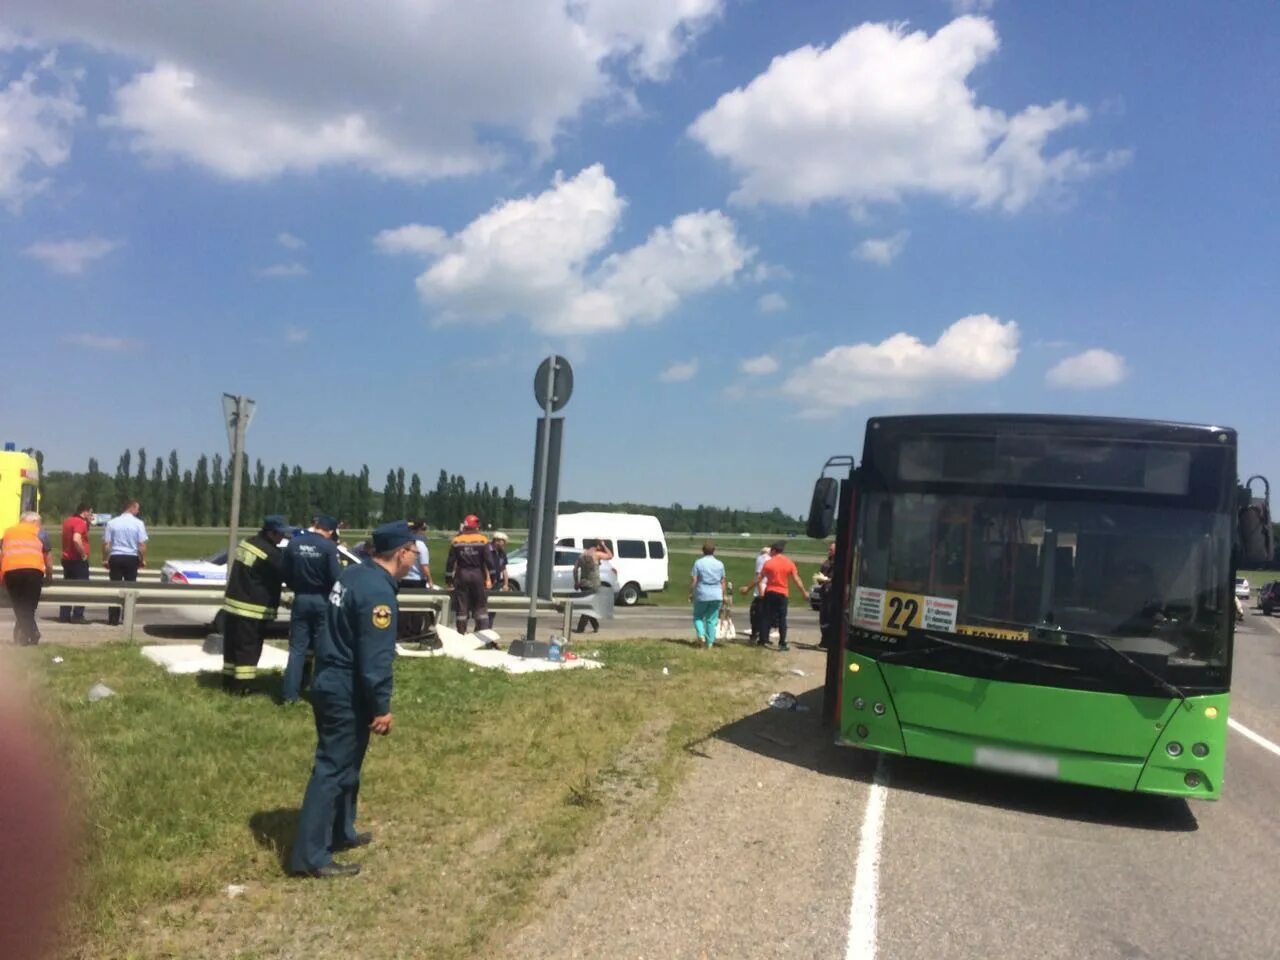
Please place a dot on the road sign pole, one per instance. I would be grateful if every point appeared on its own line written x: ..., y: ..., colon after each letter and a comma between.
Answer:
x: 239, y: 411
x: 540, y: 507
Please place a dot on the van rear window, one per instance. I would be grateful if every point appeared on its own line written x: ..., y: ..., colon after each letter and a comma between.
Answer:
x: 631, y: 549
x: 657, y: 550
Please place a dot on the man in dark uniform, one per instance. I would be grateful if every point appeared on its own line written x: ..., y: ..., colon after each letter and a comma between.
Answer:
x: 310, y: 569
x: 466, y: 572
x: 351, y: 697
x: 498, y: 567
x: 250, y: 601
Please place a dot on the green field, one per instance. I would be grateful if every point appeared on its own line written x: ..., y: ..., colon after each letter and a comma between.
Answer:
x: 487, y: 783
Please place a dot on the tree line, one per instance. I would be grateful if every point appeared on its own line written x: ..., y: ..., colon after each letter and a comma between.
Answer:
x: 200, y: 496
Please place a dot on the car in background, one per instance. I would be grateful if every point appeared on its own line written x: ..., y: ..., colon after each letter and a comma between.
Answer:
x: 213, y: 569
x: 1242, y: 588
x: 99, y: 519
x: 1269, y: 597
x: 561, y: 572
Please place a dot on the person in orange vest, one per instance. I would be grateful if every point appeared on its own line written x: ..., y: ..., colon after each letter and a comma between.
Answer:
x: 25, y: 564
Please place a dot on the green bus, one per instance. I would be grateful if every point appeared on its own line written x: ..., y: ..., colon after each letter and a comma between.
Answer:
x: 1048, y: 596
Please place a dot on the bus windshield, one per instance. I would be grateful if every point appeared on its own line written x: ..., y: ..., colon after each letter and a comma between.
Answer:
x: 1148, y: 579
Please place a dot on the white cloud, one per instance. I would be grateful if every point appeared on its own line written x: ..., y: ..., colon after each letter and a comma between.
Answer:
x: 679, y: 372
x: 282, y: 271
x: 760, y: 366
x: 882, y: 251
x: 772, y: 303
x: 37, y: 112
x: 94, y: 341
x: 883, y: 113
x: 289, y: 241
x: 972, y: 6
x: 420, y: 90
x: 296, y: 335
x: 1090, y: 370
x: 763, y: 272
x: 70, y: 256
x: 531, y: 257
x: 976, y: 348
x: 412, y: 238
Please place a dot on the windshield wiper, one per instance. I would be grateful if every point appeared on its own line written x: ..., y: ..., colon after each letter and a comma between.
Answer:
x: 1101, y: 642
x: 941, y: 643
x: 1044, y: 630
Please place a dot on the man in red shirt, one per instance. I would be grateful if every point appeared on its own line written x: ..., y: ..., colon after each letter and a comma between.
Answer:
x: 776, y: 574
x: 75, y: 557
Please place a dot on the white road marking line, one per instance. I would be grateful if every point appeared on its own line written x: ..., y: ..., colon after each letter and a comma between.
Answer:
x: 1257, y: 738
x: 866, y: 876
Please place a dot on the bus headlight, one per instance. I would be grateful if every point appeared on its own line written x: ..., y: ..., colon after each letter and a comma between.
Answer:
x: 1200, y: 749
x: 1211, y: 712
x: 878, y: 708
x: 1173, y: 748
x: 859, y: 703
x: 1192, y: 779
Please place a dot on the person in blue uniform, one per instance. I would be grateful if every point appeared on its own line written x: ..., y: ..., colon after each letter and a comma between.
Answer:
x: 310, y: 570
x: 351, y: 697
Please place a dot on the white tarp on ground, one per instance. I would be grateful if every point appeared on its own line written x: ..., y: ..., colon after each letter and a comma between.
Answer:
x: 191, y: 658
x: 470, y: 647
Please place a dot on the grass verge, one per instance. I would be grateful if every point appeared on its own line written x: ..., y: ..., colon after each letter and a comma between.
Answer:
x: 487, y: 784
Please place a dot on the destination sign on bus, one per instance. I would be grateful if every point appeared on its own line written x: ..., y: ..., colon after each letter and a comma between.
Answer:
x: 894, y: 612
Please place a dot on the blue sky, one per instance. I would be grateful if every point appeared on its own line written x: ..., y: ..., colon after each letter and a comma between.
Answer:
x: 749, y: 223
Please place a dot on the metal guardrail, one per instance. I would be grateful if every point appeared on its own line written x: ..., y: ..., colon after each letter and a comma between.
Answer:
x: 129, y: 596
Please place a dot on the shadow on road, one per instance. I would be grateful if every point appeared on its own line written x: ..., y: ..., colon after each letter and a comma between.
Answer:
x: 798, y: 737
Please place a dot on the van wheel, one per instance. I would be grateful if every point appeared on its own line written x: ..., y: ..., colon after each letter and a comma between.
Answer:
x: 629, y: 595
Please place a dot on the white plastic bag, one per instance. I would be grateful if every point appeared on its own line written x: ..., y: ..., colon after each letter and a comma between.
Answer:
x: 725, y: 629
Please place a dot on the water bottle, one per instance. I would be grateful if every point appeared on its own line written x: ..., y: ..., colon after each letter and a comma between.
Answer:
x: 554, y: 652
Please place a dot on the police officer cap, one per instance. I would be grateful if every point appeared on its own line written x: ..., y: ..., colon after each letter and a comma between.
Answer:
x: 326, y: 522
x: 391, y: 535
x: 277, y: 524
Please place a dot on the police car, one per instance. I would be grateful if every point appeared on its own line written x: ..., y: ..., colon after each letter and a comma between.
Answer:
x: 213, y: 569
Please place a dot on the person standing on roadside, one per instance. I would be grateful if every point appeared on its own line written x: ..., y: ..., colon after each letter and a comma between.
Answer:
x: 757, y: 597
x: 75, y: 556
x: 26, y: 563
x: 351, y: 697
x: 776, y: 574
x: 311, y: 569
x: 498, y: 568
x: 250, y: 602
x: 466, y: 570
x: 418, y: 578
x: 707, y: 593
x: 586, y: 576
x: 124, y: 550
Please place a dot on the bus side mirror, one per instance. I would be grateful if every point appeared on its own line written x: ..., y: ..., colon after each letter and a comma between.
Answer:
x: 822, y: 508
x: 1254, y: 526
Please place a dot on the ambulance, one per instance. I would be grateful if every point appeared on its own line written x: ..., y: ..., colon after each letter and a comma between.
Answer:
x: 19, y: 485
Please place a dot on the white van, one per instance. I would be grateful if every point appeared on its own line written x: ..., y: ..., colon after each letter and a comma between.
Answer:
x: 637, y: 541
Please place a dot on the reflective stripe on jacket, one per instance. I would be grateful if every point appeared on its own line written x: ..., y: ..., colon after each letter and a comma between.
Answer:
x: 253, y: 582
x: 23, y: 549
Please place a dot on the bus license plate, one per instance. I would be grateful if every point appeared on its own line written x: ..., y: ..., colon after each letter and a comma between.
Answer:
x: 1016, y: 761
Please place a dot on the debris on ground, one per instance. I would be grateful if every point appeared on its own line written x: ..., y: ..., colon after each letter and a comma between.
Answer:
x: 100, y: 691
x: 797, y: 671
x: 787, y: 701
x: 235, y: 889
x: 666, y: 672
x: 58, y: 660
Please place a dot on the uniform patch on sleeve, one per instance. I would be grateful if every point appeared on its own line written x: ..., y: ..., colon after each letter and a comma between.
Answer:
x: 382, y: 616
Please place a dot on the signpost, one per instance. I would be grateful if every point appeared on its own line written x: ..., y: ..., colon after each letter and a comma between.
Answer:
x: 552, y: 387
x: 238, y: 412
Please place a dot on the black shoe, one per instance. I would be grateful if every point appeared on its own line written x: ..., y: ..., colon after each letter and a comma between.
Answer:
x: 784, y: 647
x: 361, y: 840
x: 331, y: 870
